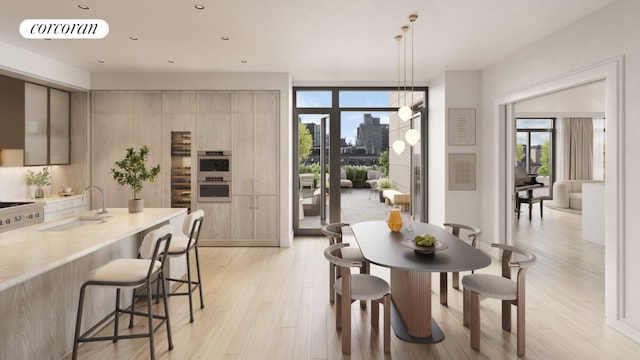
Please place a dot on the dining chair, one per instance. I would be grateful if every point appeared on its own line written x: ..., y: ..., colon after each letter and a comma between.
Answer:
x: 139, y: 274
x: 334, y: 233
x: 353, y: 287
x: 182, y: 245
x: 498, y: 287
x: 472, y: 236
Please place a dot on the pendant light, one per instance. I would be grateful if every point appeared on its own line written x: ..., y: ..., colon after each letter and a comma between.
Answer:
x: 398, y: 145
x: 404, y: 113
x: 412, y: 135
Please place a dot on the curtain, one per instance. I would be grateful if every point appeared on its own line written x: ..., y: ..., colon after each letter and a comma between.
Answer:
x: 577, y: 155
x: 598, y: 148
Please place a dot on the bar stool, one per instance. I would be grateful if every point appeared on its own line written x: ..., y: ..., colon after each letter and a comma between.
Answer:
x: 181, y: 245
x: 138, y: 273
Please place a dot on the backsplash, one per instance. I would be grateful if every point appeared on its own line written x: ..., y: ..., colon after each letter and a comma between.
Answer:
x: 14, y: 188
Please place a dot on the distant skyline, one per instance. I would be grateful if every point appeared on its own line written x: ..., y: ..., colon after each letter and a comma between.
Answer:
x: 350, y: 119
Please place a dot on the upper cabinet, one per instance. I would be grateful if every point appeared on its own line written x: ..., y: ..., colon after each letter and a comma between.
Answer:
x: 36, y: 123
x: 36, y: 113
x: 59, y: 152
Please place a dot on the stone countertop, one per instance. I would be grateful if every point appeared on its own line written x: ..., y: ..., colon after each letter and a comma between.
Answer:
x: 28, y: 252
x: 47, y: 199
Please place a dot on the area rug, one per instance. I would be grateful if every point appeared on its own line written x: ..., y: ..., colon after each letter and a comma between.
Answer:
x: 550, y: 205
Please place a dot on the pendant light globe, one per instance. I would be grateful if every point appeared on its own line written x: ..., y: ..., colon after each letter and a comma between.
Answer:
x: 398, y: 146
x: 404, y: 113
x: 412, y: 136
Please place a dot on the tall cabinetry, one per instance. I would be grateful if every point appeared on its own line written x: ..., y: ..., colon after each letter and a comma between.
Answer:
x: 255, y: 157
x: 245, y: 122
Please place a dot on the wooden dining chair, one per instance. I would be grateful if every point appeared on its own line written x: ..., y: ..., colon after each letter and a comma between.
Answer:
x: 353, y: 287
x: 472, y: 236
x: 334, y: 233
x: 498, y: 287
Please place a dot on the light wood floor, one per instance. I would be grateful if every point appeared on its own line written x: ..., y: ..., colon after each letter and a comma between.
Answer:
x: 271, y: 303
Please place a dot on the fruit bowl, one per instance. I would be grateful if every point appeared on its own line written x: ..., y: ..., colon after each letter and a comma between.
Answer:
x: 424, y: 249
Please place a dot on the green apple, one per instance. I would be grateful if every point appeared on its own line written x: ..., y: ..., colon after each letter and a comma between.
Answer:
x: 424, y: 240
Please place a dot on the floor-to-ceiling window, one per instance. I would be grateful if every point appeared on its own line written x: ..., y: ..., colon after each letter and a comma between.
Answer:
x: 535, y: 149
x: 342, y: 138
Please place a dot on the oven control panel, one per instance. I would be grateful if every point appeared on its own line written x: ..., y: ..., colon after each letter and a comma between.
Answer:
x: 20, y: 216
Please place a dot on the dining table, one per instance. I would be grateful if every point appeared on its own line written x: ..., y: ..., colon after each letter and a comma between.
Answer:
x: 410, y: 271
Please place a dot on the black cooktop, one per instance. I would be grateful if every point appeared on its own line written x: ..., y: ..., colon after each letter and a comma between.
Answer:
x: 12, y: 204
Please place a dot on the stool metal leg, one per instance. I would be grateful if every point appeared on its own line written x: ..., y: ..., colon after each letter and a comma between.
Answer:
x: 199, y: 279
x: 189, y: 283
x: 133, y: 308
x: 166, y: 311
x: 74, y: 356
x: 115, y: 326
x: 150, y: 317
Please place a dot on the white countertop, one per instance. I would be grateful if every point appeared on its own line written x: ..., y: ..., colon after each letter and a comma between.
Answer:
x: 27, y: 252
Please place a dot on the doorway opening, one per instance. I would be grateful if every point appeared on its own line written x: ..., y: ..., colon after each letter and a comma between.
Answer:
x: 341, y: 150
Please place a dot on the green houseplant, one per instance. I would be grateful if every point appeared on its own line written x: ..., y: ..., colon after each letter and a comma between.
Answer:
x: 132, y: 171
x: 39, y: 179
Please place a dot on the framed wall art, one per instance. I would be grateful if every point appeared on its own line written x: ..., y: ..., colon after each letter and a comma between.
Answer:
x: 462, y: 126
x: 462, y: 171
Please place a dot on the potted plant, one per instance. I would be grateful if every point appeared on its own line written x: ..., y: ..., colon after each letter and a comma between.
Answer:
x: 382, y: 184
x: 133, y: 171
x: 39, y: 179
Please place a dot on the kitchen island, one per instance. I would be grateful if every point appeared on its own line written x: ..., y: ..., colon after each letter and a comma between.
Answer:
x: 43, y: 266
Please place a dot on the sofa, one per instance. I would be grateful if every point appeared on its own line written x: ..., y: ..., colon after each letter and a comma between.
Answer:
x: 568, y: 193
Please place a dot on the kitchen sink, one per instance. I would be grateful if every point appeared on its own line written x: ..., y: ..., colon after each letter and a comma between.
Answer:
x: 72, y: 223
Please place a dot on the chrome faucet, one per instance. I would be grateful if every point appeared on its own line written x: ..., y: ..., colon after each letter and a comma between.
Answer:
x: 104, y: 209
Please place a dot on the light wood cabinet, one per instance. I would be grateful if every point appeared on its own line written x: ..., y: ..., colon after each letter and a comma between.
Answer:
x: 214, y: 120
x: 255, y: 172
x: 121, y: 120
x: 245, y: 122
x: 60, y: 208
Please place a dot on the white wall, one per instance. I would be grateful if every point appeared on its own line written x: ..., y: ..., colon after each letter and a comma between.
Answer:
x: 26, y: 65
x: 437, y: 151
x: 595, y: 40
x: 451, y: 90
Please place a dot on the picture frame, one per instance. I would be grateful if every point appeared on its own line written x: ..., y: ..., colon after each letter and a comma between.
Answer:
x: 461, y: 127
x: 462, y: 171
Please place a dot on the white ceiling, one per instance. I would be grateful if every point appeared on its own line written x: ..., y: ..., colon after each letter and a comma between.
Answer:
x: 314, y: 41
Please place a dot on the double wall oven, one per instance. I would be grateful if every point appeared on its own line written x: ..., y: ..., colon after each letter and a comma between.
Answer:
x: 214, y: 175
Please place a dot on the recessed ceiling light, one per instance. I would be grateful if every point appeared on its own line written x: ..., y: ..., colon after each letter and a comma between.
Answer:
x: 225, y: 38
x: 171, y: 61
x: 101, y: 61
x: 84, y: 7
x: 244, y: 61
x: 133, y: 38
x: 199, y: 7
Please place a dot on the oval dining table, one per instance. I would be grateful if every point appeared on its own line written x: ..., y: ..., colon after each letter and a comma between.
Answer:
x: 410, y: 272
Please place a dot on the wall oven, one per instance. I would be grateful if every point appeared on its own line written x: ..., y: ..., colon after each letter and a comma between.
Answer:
x: 214, y: 164
x: 214, y: 190
x: 214, y: 176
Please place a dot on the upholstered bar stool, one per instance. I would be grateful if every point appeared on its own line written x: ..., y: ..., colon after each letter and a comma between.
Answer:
x: 334, y: 233
x: 181, y: 245
x: 138, y: 273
